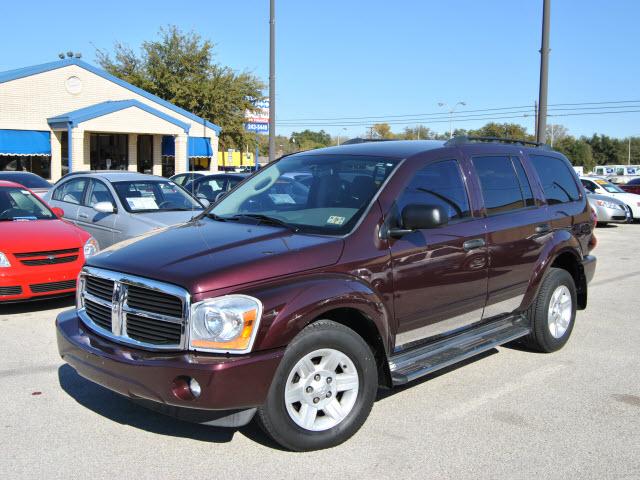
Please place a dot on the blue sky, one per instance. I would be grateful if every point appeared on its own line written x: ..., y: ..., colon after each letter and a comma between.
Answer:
x: 372, y: 58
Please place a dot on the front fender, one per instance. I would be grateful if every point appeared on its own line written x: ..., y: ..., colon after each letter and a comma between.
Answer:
x: 291, y: 306
x: 561, y: 241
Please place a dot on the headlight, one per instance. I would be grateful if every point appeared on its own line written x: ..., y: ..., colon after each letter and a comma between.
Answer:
x: 612, y: 205
x: 4, y: 261
x: 91, y: 247
x: 225, y: 324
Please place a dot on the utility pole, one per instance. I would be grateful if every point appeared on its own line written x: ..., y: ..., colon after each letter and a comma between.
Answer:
x: 535, y: 113
x: 629, y: 157
x: 272, y: 80
x: 544, y: 72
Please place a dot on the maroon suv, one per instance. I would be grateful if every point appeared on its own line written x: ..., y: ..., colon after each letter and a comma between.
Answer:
x: 332, y: 272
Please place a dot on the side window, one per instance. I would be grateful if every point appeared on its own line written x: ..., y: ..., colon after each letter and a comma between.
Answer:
x: 71, y: 191
x: 501, y: 189
x: 441, y: 184
x: 99, y: 193
x: 558, y: 180
x: 590, y: 186
x: 525, y: 186
x: 210, y: 188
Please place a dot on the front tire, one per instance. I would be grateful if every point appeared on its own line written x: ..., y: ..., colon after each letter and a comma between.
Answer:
x: 553, y: 312
x: 323, y: 390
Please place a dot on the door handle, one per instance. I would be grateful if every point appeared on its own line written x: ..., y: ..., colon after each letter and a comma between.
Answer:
x: 543, y: 228
x: 473, y: 244
x: 83, y: 215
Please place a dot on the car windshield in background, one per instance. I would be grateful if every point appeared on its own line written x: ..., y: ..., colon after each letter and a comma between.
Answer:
x: 17, y: 204
x: 324, y: 194
x: 152, y: 196
x: 29, y: 180
x: 609, y: 187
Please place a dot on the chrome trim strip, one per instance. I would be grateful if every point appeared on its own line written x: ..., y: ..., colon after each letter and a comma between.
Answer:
x: 445, y: 326
x: 152, y: 315
x: 120, y: 309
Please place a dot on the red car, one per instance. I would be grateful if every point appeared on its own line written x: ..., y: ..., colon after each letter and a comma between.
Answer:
x: 632, y: 187
x: 40, y: 255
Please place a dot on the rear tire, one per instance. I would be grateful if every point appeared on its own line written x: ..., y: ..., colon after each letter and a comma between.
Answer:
x: 323, y: 390
x: 553, y: 312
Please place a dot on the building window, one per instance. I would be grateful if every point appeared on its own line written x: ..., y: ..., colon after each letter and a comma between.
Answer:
x: 168, y: 166
x: 109, y: 152
x: 64, y: 149
x: 145, y: 154
x: 38, y: 164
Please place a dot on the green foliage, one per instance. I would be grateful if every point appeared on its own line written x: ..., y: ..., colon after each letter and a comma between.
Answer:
x: 179, y: 68
x: 502, y: 130
x: 382, y: 130
x: 578, y: 151
x: 308, y: 139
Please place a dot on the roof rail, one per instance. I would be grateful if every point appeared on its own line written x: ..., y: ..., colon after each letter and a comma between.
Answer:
x: 462, y: 139
x: 357, y: 140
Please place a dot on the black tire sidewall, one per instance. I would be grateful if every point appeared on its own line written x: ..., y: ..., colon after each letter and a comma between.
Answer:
x: 547, y: 342
x: 273, y: 413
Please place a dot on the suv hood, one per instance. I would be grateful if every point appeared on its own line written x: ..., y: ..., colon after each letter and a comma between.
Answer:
x: 207, y: 255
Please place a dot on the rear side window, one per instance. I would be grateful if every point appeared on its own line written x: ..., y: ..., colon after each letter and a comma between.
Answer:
x: 502, y: 190
x: 71, y: 192
x: 441, y: 184
x: 558, y: 180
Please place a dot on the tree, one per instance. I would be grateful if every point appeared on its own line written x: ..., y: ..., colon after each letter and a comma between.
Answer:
x: 179, y: 68
x: 605, y: 151
x: 578, y: 151
x: 555, y: 132
x: 382, y: 130
x: 308, y: 139
x: 502, y: 130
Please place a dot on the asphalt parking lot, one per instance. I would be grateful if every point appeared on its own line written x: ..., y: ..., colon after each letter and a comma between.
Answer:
x: 510, y: 414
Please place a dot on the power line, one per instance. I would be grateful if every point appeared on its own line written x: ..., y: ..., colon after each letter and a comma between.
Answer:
x: 509, y: 115
x: 435, y: 115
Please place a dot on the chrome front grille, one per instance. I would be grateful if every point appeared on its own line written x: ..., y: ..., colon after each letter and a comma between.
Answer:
x: 134, y: 310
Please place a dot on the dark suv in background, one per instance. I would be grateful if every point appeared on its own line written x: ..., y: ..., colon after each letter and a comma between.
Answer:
x: 372, y: 264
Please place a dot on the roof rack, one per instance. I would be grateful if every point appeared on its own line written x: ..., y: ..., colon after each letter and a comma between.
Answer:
x: 462, y: 139
x: 357, y: 140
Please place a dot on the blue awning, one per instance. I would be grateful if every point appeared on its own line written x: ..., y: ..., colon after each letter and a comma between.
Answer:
x: 199, y: 147
x: 24, y: 142
x: 196, y: 147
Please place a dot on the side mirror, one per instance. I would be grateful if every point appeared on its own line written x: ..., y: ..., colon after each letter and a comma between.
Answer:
x: 58, y: 212
x: 419, y: 217
x: 104, y: 207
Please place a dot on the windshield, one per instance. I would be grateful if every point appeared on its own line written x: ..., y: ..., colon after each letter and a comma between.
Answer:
x: 19, y: 204
x: 609, y: 187
x: 153, y: 196
x: 29, y: 180
x: 323, y: 194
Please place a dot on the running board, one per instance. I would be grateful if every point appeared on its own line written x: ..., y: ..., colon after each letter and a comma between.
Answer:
x: 420, y: 361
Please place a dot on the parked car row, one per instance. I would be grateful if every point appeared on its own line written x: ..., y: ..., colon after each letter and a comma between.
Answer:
x: 611, y: 203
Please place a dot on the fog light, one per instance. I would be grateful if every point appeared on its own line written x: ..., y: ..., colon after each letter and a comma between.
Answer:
x: 194, y: 387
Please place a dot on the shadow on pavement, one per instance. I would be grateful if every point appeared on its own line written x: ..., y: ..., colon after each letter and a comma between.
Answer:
x: 37, y: 305
x: 124, y: 411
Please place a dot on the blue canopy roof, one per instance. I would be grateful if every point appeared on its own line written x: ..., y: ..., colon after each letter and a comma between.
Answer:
x: 196, y: 146
x: 24, y: 142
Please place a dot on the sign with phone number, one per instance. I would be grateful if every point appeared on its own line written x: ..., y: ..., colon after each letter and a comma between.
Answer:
x: 256, y: 127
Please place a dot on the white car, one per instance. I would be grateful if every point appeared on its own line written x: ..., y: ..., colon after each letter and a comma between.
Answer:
x: 605, y: 187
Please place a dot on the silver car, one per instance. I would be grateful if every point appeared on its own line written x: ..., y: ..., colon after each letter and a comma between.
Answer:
x: 118, y: 205
x: 609, y: 209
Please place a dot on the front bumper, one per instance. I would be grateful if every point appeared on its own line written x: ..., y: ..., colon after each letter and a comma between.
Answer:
x: 234, y: 383
x: 613, y: 215
x: 27, y: 283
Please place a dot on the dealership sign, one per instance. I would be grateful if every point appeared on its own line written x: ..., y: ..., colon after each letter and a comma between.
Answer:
x: 257, y: 121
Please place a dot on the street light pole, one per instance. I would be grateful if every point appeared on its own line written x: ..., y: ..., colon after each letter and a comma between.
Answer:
x: 544, y: 72
x: 451, y: 112
x: 272, y: 80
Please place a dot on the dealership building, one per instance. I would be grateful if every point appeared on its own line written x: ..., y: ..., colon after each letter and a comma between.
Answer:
x: 68, y: 115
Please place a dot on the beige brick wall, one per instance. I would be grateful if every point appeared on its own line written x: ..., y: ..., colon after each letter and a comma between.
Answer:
x: 26, y: 103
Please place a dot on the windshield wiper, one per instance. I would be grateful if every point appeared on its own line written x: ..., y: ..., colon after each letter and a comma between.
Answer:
x: 266, y: 219
x: 213, y: 216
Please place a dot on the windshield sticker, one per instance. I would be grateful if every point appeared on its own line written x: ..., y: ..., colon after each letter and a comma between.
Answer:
x: 601, y: 182
x: 26, y: 192
x: 335, y: 220
x: 24, y: 219
x: 142, y: 203
x: 282, y: 198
